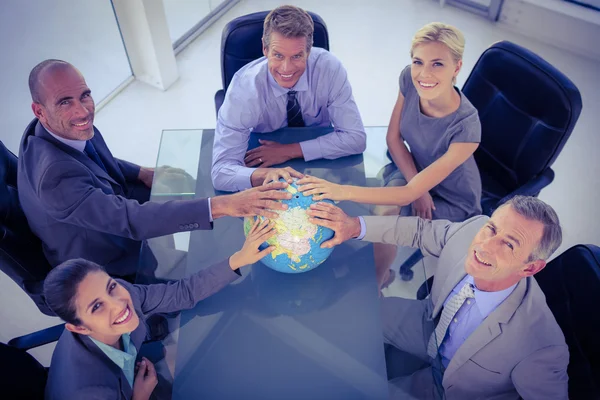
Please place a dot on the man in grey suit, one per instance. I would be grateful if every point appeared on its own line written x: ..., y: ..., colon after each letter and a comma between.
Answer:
x: 82, y: 202
x: 485, y: 332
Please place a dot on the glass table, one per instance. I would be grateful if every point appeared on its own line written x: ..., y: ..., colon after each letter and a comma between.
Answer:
x: 269, y: 335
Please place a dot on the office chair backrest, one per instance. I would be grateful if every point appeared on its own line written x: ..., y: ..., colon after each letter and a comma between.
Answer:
x: 241, y: 42
x: 571, y: 283
x: 527, y: 110
x: 21, y: 375
x: 21, y: 256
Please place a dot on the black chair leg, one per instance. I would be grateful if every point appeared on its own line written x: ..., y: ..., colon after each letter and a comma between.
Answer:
x: 406, y: 272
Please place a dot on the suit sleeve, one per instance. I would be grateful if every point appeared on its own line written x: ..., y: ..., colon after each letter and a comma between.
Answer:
x: 427, y: 235
x: 184, y: 293
x: 543, y: 374
x: 130, y: 170
x: 68, y: 193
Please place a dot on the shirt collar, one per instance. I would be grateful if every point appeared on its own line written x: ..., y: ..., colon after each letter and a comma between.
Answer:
x: 119, y: 357
x: 76, y: 144
x: 488, y: 301
x: 300, y: 86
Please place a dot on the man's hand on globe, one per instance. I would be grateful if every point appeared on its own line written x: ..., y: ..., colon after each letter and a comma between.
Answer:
x: 321, y: 189
x: 260, y: 232
x: 261, y: 200
x: 287, y: 173
x: 334, y: 218
x: 263, y: 176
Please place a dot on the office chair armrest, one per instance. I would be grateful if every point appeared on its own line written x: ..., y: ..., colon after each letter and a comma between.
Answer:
x: 37, y: 339
x: 425, y: 289
x: 219, y: 99
x: 531, y: 188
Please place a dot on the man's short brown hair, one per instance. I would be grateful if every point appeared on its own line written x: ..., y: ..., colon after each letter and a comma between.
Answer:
x: 290, y: 22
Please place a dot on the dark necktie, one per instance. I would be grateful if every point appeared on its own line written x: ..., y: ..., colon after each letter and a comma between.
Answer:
x: 294, y: 113
x: 93, y: 154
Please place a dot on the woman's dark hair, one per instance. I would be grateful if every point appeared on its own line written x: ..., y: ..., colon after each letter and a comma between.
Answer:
x: 60, y: 287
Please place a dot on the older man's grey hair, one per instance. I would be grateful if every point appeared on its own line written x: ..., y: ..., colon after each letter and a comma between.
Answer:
x: 535, y: 209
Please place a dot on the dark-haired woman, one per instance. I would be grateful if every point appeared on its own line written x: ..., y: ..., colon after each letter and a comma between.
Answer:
x: 95, y: 357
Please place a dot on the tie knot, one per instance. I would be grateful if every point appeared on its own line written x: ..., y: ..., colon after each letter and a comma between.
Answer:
x: 467, y: 290
x: 89, y: 147
x: 292, y: 93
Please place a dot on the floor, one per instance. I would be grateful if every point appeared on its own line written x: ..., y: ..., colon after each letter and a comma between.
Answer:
x: 372, y: 39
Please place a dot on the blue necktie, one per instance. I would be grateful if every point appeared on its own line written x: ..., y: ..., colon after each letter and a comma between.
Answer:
x: 294, y: 113
x: 93, y: 155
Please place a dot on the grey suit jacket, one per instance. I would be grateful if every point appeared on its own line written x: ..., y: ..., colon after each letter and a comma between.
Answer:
x: 518, y: 350
x: 79, y: 210
x: 80, y: 370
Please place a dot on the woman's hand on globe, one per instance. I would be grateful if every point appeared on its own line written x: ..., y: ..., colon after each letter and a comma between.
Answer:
x: 261, y: 231
x: 321, y: 189
x: 332, y: 217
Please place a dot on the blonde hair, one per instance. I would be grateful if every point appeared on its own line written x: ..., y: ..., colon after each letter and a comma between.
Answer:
x: 290, y: 22
x: 442, y: 33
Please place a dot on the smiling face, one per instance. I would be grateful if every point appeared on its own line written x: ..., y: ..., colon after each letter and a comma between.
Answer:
x: 433, y: 70
x: 286, y: 58
x: 66, y: 108
x: 104, y: 308
x: 499, y: 254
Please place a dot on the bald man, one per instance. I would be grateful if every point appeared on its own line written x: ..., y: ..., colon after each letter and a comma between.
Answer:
x: 84, y: 203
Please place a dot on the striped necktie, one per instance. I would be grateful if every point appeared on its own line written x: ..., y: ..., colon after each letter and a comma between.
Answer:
x: 450, y: 309
x: 294, y: 113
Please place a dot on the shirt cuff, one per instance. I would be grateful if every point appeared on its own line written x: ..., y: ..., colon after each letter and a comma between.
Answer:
x: 311, y: 150
x: 363, y: 228
x: 209, y: 211
x: 243, y: 180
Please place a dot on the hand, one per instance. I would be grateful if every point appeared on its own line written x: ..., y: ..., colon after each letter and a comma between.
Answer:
x: 146, y: 175
x: 334, y: 218
x: 145, y: 380
x: 173, y: 180
x: 261, y: 200
x: 261, y: 231
x: 271, y: 153
x: 321, y: 189
x: 287, y: 173
x: 423, y: 206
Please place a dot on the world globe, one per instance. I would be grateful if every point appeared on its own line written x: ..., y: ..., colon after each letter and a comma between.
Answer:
x: 297, y: 241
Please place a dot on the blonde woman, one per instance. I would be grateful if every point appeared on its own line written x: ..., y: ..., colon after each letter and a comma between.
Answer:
x: 438, y: 177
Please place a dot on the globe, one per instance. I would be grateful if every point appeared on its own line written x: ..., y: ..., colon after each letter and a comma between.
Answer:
x: 297, y: 241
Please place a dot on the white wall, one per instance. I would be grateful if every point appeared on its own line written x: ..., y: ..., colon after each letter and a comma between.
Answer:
x: 84, y: 33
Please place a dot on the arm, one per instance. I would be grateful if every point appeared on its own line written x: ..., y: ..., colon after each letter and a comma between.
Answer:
x: 349, y: 136
x: 428, y: 236
x: 422, y: 182
x: 184, y: 293
x: 68, y: 192
x: 400, y: 154
x: 130, y: 170
x: 543, y: 374
x: 236, y: 117
x: 400, y: 196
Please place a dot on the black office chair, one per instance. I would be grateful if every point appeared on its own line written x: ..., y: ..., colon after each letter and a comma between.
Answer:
x: 21, y: 375
x: 21, y: 256
x: 571, y: 283
x: 241, y: 43
x: 527, y: 110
